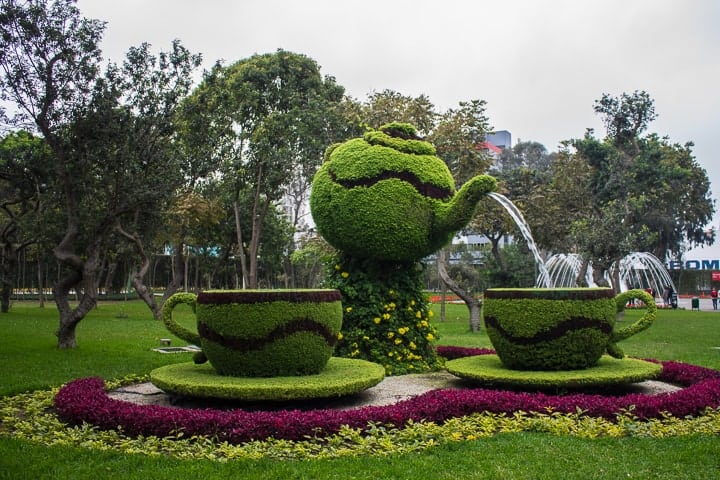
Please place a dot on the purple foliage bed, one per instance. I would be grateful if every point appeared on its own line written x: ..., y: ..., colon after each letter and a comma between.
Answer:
x: 85, y: 400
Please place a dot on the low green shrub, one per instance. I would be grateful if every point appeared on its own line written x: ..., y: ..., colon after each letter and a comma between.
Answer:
x: 387, y: 318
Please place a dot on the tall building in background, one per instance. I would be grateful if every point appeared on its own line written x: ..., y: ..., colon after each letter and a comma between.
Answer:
x: 496, y: 142
x: 501, y: 139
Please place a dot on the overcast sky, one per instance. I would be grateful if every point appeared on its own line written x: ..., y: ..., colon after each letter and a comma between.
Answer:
x: 539, y: 65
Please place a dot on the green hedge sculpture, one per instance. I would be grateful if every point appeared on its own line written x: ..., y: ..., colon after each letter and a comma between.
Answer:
x: 387, y: 196
x: 386, y: 201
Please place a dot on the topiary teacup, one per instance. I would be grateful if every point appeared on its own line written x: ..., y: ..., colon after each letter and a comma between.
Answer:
x: 262, y: 333
x: 559, y: 328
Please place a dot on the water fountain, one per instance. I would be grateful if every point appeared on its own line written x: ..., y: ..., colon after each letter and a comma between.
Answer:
x: 564, y: 268
x: 644, y: 270
x: 543, y: 279
x: 637, y: 270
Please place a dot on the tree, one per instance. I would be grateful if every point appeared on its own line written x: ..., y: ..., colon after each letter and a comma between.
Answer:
x: 673, y: 198
x: 457, y: 136
x: 463, y: 291
x: 49, y: 59
x: 187, y: 214
x: 528, y: 155
x: 23, y: 185
x: 108, y: 134
x: 310, y: 260
x: 626, y: 192
x: 389, y: 106
x: 552, y: 207
x: 626, y: 117
x: 661, y: 185
x: 517, y: 270
x: 263, y: 119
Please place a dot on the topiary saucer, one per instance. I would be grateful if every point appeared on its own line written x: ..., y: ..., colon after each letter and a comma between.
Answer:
x: 341, y: 376
x: 609, y: 371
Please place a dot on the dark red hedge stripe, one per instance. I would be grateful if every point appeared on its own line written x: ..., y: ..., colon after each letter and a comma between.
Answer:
x: 550, y: 293
x: 241, y: 344
x: 218, y: 297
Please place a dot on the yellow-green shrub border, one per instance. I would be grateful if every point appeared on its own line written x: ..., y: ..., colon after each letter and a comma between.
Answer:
x: 30, y: 417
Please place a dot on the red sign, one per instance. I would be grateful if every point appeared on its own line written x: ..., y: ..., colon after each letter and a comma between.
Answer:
x: 715, y: 276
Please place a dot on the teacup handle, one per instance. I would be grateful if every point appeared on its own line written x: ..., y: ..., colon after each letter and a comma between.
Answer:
x: 171, y: 324
x: 643, y: 323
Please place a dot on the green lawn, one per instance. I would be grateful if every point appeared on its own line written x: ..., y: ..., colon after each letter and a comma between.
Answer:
x: 116, y: 340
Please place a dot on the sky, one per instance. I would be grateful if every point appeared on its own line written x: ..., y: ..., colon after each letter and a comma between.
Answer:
x: 539, y: 64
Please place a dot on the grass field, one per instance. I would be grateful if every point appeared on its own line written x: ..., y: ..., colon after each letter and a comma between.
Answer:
x: 116, y: 339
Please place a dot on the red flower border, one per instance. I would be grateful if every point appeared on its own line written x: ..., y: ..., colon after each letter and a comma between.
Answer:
x: 85, y: 400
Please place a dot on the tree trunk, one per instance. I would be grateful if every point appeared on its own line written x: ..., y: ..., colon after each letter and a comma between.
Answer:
x: 241, y: 248
x: 61, y: 294
x: 8, y: 271
x: 471, y: 302
x: 111, y: 269
x: 83, y: 279
x: 221, y: 262
x: 41, y: 284
x: 137, y: 276
x: 581, y: 279
x: 615, y: 279
x: 599, y: 276
x: 5, y: 291
x: 259, y: 212
x: 261, y: 204
x: 177, y: 274
x: 443, y: 294
x: 196, y: 278
x: 186, y: 271
x: 255, y: 233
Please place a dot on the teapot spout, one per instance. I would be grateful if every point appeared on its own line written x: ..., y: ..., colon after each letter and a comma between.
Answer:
x: 457, y: 213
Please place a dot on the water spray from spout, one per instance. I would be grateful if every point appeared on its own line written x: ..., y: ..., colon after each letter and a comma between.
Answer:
x: 543, y: 278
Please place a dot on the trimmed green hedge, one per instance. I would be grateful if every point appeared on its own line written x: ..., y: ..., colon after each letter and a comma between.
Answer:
x: 559, y: 329
x: 549, y: 329
x: 174, y: 327
x: 645, y: 321
x: 389, y: 197
x: 263, y: 333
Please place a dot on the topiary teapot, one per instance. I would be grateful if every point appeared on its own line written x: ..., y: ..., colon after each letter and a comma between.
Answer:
x: 388, y: 196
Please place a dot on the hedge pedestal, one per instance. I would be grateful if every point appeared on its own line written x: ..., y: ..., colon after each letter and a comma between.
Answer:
x: 341, y: 376
x: 489, y: 370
